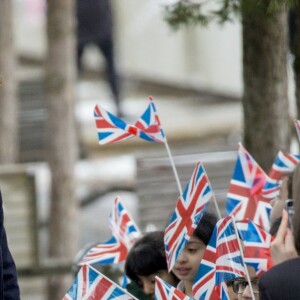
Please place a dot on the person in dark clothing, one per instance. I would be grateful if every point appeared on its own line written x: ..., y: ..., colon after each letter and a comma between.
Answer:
x: 9, y: 288
x: 282, y: 280
x: 95, y: 26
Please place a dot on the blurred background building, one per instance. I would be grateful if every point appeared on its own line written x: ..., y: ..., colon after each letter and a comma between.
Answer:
x: 148, y: 49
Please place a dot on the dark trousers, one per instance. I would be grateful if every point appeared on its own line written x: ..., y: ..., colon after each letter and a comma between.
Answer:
x: 107, y: 50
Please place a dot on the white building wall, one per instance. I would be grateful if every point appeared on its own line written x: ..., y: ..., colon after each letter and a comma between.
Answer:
x: 208, y: 58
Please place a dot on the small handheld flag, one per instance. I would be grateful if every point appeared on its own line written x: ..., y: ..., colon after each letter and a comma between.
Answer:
x: 190, y: 207
x: 257, y: 244
x: 124, y: 234
x: 222, y: 261
x: 90, y: 284
x: 112, y: 129
x: 284, y: 164
x: 164, y: 291
x: 244, y: 197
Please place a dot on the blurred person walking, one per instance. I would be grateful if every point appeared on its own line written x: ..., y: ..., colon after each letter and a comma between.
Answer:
x: 95, y: 27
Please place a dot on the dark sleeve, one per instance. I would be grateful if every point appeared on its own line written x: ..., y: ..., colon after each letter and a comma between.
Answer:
x: 263, y: 291
x: 281, y: 281
x: 10, y: 282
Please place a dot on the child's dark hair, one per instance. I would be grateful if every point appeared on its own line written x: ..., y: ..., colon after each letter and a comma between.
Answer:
x: 147, y: 256
x: 205, y: 227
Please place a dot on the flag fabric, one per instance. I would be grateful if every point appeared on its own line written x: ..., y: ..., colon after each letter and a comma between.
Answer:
x: 124, y: 234
x: 112, y: 129
x: 149, y: 124
x: 122, y: 224
x: 284, y: 164
x: 125, y: 281
x: 188, y: 213
x: 221, y: 292
x: 229, y: 263
x: 90, y: 284
x: 257, y: 244
x: 271, y: 189
x: 164, y: 291
x: 297, y: 124
x: 205, y: 281
x: 245, y: 198
x: 222, y: 261
x: 112, y: 251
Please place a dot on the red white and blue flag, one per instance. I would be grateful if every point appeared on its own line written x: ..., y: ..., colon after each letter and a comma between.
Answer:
x: 122, y: 224
x: 164, y: 291
x: 257, y: 244
x: 149, y: 125
x: 112, y: 129
x: 188, y: 213
x: 90, y: 284
x: 124, y: 234
x: 284, y: 164
x: 222, y: 261
x: 245, y: 197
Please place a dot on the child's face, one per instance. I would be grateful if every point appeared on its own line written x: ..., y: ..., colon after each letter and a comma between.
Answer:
x: 188, y: 262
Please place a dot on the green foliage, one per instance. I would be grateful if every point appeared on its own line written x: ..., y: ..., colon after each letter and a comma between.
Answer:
x: 190, y: 12
x: 185, y: 13
x: 275, y: 4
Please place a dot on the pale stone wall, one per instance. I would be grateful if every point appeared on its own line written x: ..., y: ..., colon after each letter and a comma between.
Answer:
x: 207, y: 58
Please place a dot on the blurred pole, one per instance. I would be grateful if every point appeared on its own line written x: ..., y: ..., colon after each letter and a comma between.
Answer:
x: 61, y: 137
x: 8, y: 86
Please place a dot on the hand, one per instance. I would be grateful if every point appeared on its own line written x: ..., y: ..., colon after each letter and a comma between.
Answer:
x: 283, y: 247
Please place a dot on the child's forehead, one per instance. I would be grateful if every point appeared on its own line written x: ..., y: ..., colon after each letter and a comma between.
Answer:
x: 194, y: 239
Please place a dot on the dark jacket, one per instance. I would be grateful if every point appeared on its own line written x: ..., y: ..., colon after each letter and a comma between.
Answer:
x: 282, y: 282
x: 94, y: 21
x: 9, y: 288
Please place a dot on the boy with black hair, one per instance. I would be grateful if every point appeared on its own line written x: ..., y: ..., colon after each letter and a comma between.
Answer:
x: 147, y: 259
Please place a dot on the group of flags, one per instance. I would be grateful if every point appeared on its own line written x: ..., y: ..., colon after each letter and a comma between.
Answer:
x: 124, y: 234
x: 248, y: 219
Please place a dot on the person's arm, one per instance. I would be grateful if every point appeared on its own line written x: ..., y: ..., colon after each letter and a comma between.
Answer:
x: 10, y: 282
x: 283, y: 247
x: 263, y: 292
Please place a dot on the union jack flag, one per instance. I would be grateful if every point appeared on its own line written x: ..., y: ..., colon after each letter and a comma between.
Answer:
x: 122, y: 224
x: 245, y: 197
x: 205, y: 281
x: 271, y: 189
x: 124, y: 234
x: 112, y: 129
x: 284, y: 164
x: 188, y: 213
x: 90, y: 284
x: 164, y: 291
x: 297, y: 124
x: 149, y: 124
x: 221, y: 261
x: 257, y: 244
